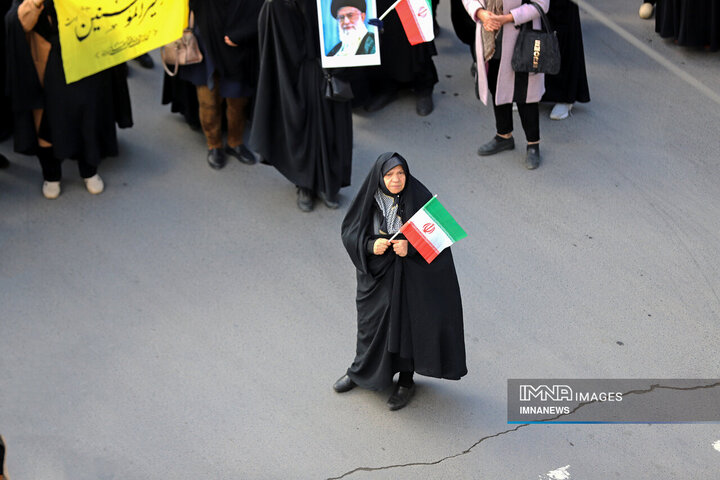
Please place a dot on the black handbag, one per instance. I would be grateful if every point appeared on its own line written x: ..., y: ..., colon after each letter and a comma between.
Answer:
x: 336, y: 88
x: 536, y: 51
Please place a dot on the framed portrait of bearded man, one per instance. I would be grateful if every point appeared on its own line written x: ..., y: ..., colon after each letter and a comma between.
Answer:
x: 346, y: 38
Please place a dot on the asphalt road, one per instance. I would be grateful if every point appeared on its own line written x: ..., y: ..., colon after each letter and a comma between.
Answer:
x: 189, y: 323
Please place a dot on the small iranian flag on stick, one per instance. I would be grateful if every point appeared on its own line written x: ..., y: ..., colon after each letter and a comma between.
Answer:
x: 417, y: 20
x: 432, y: 229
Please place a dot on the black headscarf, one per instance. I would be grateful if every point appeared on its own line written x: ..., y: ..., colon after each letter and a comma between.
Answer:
x: 357, y: 225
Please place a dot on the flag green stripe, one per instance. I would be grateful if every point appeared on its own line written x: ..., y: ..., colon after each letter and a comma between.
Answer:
x: 444, y: 220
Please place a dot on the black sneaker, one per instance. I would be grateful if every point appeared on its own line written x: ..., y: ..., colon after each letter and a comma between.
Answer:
x: 216, y: 158
x: 497, y: 144
x: 532, y: 159
x: 401, y: 396
x: 424, y: 105
x: 330, y: 201
x: 242, y: 153
x: 305, y: 199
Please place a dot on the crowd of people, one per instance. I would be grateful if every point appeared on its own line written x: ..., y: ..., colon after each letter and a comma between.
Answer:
x: 689, y: 23
x: 262, y: 68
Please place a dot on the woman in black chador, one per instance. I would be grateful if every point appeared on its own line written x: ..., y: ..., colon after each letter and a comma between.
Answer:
x: 409, y: 312
x: 305, y: 136
x: 53, y: 119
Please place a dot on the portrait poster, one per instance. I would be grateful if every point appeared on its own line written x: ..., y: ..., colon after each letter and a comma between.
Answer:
x: 99, y: 34
x: 346, y: 38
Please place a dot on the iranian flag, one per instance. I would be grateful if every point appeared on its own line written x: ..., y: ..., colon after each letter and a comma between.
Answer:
x: 432, y: 229
x: 416, y: 18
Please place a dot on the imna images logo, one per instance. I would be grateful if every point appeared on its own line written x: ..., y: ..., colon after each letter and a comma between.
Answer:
x: 544, y: 393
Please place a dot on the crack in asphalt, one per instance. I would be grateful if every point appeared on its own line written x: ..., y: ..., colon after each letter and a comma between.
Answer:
x: 469, y: 449
x: 415, y: 464
x: 654, y: 386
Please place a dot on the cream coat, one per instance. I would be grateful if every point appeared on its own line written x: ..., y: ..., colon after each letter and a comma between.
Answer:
x: 506, y: 76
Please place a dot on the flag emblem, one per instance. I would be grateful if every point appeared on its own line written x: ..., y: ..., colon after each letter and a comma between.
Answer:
x: 432, y: 229
x: 415, y: 20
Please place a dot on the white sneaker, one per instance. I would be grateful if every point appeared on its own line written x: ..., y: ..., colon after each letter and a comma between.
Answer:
x: 51, y: 190
x: 94, y: 184
x: 646, y: 10
x: 561, y: 111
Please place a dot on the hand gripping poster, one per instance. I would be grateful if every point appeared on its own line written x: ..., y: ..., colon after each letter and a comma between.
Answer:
x: 346, y: 37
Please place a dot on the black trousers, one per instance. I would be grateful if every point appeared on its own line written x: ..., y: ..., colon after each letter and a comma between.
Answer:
x: 52, y: 167
x: 529, y: 112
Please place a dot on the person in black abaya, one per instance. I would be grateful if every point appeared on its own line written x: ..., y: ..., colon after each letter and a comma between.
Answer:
x: 570, y: 84
x: 409, y: 312
x: 295, y: 128
x: 403, y: 65
x: 227, y: 34
x: 53, y: 119
x: 5, y: 110
x: 691, y: 23
x: 182, y: 97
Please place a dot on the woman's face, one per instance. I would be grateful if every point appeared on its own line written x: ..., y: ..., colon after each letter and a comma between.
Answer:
x: 395, y: 180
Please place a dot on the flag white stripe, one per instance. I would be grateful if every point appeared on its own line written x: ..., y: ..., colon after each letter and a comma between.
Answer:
x: 425, y: 23
x: 438, y: 238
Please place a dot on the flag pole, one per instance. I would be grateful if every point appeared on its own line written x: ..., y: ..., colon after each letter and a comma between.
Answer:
x: 434, y: 196
x: 388, y: 11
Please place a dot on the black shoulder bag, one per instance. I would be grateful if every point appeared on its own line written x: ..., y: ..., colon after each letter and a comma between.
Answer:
x: 536, y: 51
x: 336, y: 88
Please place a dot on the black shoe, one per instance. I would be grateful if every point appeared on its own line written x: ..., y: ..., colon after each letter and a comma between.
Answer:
x: 401, y: 396
x: 4, y: 162
x: 424, y: 105
x: 242, y: 153
x: 497, y: 144
x: 532, y: 159
x: 216, y: 158
x: 344, y: 384
x: 145, y: 60
x: 330, y: 201
x: 380, y: 101
x: 305, y: 199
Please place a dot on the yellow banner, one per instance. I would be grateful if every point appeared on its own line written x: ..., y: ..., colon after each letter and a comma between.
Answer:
x: 99, y: 34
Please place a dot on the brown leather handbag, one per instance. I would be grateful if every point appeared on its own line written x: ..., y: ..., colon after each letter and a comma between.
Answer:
x: 184, y: 51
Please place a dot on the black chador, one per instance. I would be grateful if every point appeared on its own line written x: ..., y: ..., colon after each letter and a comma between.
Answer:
x: 78, y: 118
x: 570, y: 85
x: 306, y: 136
x: 409, y: 312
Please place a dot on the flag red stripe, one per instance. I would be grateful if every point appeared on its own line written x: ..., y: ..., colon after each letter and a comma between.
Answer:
x: 409, y: 22
x: 418, y: 240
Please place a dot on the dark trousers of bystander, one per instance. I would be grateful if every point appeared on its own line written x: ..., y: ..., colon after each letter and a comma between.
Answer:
x: 52, y: 167
x: 529, y: 112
